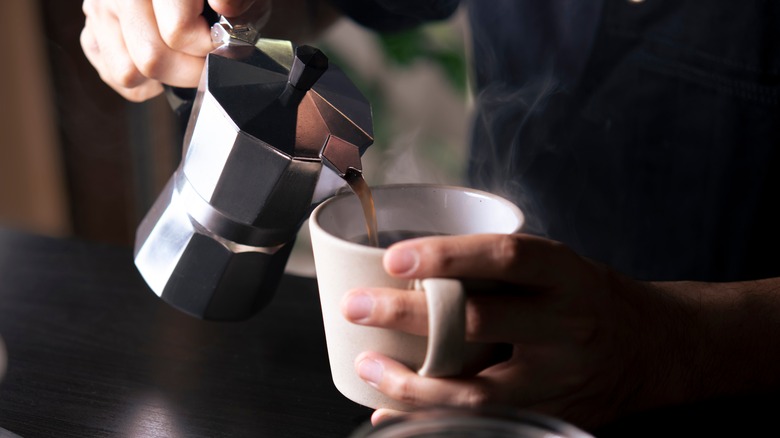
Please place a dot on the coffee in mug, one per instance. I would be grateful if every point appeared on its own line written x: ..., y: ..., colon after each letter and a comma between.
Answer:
x: 387, y: 238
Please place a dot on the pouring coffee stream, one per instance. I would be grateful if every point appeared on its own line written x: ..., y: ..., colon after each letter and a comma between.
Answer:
x: 275, y: 129
x: 363, y: 191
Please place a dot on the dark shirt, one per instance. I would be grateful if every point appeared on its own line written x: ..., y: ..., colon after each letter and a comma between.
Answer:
x: 645, y: 135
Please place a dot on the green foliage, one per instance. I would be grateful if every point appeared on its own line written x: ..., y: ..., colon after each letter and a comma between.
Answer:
x: 409, y: 46
x: 438, y: 46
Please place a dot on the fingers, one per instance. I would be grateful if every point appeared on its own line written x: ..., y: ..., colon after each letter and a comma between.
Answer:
x: 110, y: 59
x: 400, y: 383
x: 182, y: 26
x: 382, y: 414
x: 135, y: 54
x: 151, y: 56
x: 505, y: 312
x: 515, y: 258
x: 136, y: 46
x: 529, y: 296
x: 543, y: 384
x: 404, y: 310
x: 489, y: 318
x: 107, y: 53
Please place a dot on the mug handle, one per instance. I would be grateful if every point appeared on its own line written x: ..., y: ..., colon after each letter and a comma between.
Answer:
x: 446, y: 326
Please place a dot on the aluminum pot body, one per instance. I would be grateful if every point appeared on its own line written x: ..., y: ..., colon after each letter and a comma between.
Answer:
x: 273, y: 128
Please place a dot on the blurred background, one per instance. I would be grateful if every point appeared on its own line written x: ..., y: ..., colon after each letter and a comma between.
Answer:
x: 77, y: 160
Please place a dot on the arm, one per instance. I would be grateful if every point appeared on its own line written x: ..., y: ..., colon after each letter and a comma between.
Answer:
x: 729, y: 329
x: 590, y: 345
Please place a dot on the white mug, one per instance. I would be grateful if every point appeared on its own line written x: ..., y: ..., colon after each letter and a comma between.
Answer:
x: 341, y: 264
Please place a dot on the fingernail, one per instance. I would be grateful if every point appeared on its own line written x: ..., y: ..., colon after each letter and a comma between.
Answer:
x: 381, y: 415
x: 359, y: 306
x: 401, y: 261
x: 370, y: 371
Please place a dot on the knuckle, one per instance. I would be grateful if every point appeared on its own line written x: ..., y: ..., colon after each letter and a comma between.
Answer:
x: 474, y: 397
x: 439, y: 260
x: 403, y: 390
x: 476, y: 322
x: 150, y: 61
x: 139, y: 94
x: 88, y: 43
x: 506, y: 250
x: 172, y: 32
x: 126, y: 76
x: 560, y: 247
x: 401, y: 309
x: 98, y: 8
x: 89, y: 7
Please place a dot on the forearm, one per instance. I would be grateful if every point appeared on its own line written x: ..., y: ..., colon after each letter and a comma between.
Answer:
x: 739, y: 350
x: 717, y: 339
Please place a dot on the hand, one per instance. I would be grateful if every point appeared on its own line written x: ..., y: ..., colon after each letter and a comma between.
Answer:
x: 581, y: 350
x: 136, y: 46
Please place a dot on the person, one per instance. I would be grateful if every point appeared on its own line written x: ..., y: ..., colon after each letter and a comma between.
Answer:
x: 641, y: 139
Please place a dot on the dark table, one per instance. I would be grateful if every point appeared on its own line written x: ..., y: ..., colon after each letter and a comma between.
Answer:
x: 94, y: 353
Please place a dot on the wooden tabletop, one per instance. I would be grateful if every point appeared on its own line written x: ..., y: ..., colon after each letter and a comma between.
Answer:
x: 93, y: 352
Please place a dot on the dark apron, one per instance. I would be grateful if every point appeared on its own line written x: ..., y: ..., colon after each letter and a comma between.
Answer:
x: 645, y: 136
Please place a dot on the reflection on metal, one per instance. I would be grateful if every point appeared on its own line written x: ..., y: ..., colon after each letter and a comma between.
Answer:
x: 265, y: 119
x: 225, y: 32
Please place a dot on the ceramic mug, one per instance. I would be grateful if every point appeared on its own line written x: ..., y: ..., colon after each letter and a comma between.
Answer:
x: 341, y: 264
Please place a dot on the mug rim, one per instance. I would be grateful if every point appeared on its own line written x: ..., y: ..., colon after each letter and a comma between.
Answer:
x: 346, y: 193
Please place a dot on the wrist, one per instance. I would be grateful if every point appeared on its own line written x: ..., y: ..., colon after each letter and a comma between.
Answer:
x: 664, y: 343
x: 702, y: 340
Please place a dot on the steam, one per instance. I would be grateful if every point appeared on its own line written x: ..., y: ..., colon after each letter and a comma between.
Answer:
x: 400, y: 162
x: 404, y: 161
x: 525, y: 57
x: 502, y: 133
